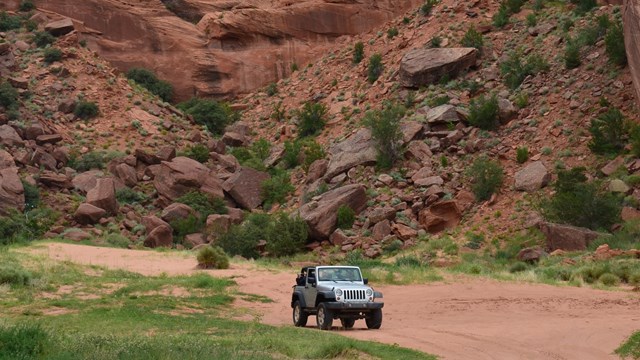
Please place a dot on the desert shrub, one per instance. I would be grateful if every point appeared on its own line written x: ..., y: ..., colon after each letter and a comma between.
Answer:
x: 580, y: 203
x: 474, y: 240
x: 584, y: 6
x: 17, y: 227
x: 486, y: 177
x: 23, y: 341
x: 271, y: 89
x: 392, y: 32
x: 212, y: 257
x: 518, y: 267
x: 483, y: 112
x: 14, y: 274
x: 444, y: 244
x: 501, y: 17
x: 522, y: 100
x: 311, y: 118
x: 117, y: 240
x: 204, y: 204
x: 345, y: 217
x: 522, y: 154
x: 515, y: 71
x: 86, y: 110
x: 287, y: 235
x: 88, y: 161
x: 185, y: 226
x: 385, y: 130
x: 243, y: 239
x: 261, y: 148
x: 514, y: 6
x: 393, y: 246
x: 358, y: 52
x: 614, y: 44
x: 427, y: 7
x: 609, y: 279
x: 291, y: 153
x: 147, y: 79
x: 276, y: 189
x: 8, y: 95
x: 214, y: 115
x: 436, y: 42
x: 197, y: 152
x: 30, y: 25
x: 472, y: 38
x: 127, y: 195
x: 408, y: 261
x: 9, y: 22
x: 31, y: 196
x: 375, y: 68
x: 52, y: 54
x: 627, y: 237
x: 532, y: 20
x: 572, y: 54
x: 43, y: 38
x: 26, y: 5
x: 634, y: 279
x: 608, y: 132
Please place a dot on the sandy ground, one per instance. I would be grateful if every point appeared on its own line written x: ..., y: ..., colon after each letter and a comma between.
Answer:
x: 472, y: 319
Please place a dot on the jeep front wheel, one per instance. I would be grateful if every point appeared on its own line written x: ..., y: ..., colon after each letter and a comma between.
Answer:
x: 347, y: 323
x: 374, y: 321
x: 299, y: 316
x: 324, y: 317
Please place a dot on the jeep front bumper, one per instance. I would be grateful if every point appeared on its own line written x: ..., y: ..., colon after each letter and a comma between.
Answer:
x: 336, y: 305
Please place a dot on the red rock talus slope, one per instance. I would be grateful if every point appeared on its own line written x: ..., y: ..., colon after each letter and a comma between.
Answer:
x: 236, y: 46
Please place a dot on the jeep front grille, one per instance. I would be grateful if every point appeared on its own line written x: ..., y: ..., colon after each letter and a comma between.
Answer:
x: 354, y: 295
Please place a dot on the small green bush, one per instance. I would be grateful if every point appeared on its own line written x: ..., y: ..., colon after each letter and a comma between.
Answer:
x: 614, y: 44
x: 311, y: 119
x: 287, y: 235
x: 14, y: 274
x: 185, y: 226
x: 408, y: 261
x: 483, y: 112
x: 117, y: 240
x: 609, y: 279
x: 501, y: 18
x: 88, y: 161
x: 522, y: 154
x: 634, y: 279
x: 23, y: 341
x: 215, y: 116
x: 86, y: 110
x: 518, y: 267
x: 436, y: 42
x: 515, y: 71
x: 8, y: 95
x: 385, y: 130
x: 472, y: 38
x: 43, y: 38
x: 9, y: 22
x: 198, y: 152
x: 514, y: 6
x: 26, y: 5
x: 392, y: 247
x: 375, y: 68
x: 276, y: 189
x: 127, y: 195
x: 52, y: 55
x: 584, y: 6
x: 212, y: 257
x: 572, y: 54
x: 31, y: 196
x: 486, y: 177
x: 271, y: 89
x: 608, y: 133
x: 358, y: 52
x: 522, y: 100
x: 532, y: 20
x: 204, y: 204
x: 392, y: 32
x: 147, y: 79
x: 427, y: 7
x: 345, y: 217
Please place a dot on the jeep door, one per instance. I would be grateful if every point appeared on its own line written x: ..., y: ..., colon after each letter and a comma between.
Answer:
x: 310, y: 291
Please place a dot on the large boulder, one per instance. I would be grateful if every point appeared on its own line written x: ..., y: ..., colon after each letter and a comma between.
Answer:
x: 11, y: 191
x: 60, y: 27
x: 127, y: 174
x: 103, y: 195
x: 161, y: 236
x: 421, y: 67
x: 55, y: 180
x: 86, y: 181
x: 567, y: 237
x: 358, y: 149
x: 245, y: 187
x: 533, y: 177
x: 87, y: 214
x: 440, y: 216
x: 9, y: 136
x: 181, y: 175
x: 151, y: 222
x: 321, y: 214
x: 6, y: 160
x: 177, y: 211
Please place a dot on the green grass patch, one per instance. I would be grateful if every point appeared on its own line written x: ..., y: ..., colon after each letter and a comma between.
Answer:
x: 631, y: 348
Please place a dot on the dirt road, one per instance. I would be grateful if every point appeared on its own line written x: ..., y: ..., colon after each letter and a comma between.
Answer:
x: 472, y: 319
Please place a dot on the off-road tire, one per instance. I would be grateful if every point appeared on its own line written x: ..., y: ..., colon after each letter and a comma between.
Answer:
x: 299, y: 316
x: 374, y: 321
x: 324, y: 317
x: 347, y: 323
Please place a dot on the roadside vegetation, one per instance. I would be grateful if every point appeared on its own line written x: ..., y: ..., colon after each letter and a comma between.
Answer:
x: 631, y: 348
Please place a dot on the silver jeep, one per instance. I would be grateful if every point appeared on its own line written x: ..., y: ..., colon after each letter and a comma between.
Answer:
x: 335, y: 292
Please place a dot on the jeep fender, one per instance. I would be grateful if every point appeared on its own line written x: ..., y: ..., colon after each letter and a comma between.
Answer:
x: 298, y: 295
x: 377, y: 295
x: 325, y: 296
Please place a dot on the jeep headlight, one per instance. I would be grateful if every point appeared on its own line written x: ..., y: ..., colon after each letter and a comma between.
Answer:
x: 369, y: 292
x: 338, y: 292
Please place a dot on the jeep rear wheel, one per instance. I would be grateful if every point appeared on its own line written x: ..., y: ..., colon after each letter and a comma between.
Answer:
x: 299, y: 316
x: 324, y: 317
x: 374, y: 321
x: 347, y: 323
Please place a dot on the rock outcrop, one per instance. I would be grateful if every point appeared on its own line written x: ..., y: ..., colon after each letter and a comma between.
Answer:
x: 182, y: 174
x: 245, y: 187
x: 103, y: 195
x: 427, y: 66
x: 358, y: 149
x: 11, y: 191
x: 567, y: 237
x: 533, y: 177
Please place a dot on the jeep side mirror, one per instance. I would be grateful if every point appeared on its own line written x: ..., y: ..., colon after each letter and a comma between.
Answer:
x: 312, y: 281
x: 365, y: 281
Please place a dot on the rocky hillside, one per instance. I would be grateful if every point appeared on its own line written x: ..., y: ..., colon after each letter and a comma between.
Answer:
x: 474, y: 93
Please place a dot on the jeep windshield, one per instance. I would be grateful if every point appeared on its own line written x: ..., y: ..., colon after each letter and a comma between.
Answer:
x: 339, y: 274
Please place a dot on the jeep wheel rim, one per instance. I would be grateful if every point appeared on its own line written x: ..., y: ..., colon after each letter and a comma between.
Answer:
x: 296, y: 314
x: 321, y: 317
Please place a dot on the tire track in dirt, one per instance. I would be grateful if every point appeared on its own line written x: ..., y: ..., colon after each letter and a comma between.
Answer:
x: 472, y: 319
